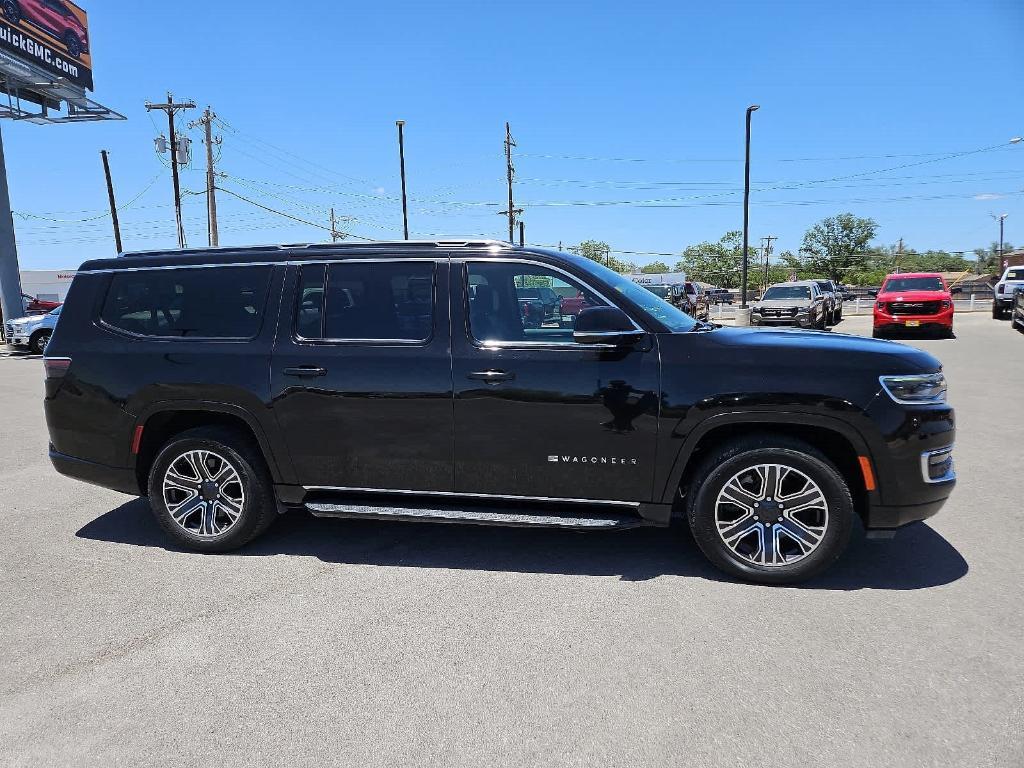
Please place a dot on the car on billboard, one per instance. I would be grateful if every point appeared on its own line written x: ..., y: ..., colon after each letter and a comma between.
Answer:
x: 55, y: 18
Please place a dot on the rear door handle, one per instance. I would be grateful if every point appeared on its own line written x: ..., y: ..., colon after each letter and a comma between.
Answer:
x: 491, y: 377
x: 305, y: 370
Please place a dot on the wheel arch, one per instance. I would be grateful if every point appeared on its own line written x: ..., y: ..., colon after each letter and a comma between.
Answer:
x: 838, y: 441
x: 162, y: 421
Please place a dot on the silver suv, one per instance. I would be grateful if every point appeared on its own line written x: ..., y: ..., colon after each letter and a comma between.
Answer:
x: 800, y: 304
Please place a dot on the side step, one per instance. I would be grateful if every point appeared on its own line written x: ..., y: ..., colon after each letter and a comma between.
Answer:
x: 588, y: 519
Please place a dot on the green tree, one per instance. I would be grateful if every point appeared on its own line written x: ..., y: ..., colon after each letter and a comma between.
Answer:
x: 601, y: 252
x: 837, y: 246
x: 988, y: 258
x: 717, y: 263
x: 655, y: 267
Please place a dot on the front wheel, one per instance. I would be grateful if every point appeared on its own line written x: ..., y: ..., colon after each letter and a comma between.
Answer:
x: 210, y: 490
x: 73, y: 44
x: 770, y: 509
x: 38, y: 341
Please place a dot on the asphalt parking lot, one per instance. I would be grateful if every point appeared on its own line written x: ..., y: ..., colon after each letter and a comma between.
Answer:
x: 334, y: 642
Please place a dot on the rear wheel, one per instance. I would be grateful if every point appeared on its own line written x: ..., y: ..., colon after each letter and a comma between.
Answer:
x: 997, y: 313
x: 770, y: 509
x: 210, y: 490
x: 73, y: 44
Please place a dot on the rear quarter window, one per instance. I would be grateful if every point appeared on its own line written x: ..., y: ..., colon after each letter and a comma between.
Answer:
x: 197, y: 302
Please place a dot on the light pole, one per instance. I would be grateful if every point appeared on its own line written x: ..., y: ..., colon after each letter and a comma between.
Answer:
x: 746, y: 210
x: 999, y: 266
x: 401, y: 159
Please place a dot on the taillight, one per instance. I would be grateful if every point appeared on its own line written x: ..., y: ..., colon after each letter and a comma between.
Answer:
x: 56, y: 367
x: 999, y: 288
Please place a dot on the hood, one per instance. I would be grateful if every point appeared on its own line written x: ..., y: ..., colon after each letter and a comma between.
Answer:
x: 790, y: 362
x: 28, y: 320
x: 914, y: 296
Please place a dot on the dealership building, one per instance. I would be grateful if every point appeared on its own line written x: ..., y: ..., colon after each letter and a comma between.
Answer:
x: 46, y: 284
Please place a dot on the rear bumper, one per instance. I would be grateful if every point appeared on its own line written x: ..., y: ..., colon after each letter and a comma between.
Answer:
x: 121, y: 479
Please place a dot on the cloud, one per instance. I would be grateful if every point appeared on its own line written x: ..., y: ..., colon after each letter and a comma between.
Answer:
x: 988, y: 196
x: 378, y: 190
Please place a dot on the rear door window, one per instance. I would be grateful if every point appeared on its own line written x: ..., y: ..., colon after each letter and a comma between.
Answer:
x: 366, y: 301
x: 188, y: 302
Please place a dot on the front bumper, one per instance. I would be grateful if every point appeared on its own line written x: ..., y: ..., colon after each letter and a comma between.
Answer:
x: 886, y: 321
x: 914, y: 467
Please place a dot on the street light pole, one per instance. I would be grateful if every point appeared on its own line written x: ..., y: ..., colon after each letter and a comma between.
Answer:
x: 999, y: 266
x: 746, y: 211
x: 401, y: 159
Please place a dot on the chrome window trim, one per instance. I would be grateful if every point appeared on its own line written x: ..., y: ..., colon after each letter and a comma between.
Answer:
x: 280, y: 262
x: 950, y: 475
x: 458, y: 495
x: 368, y: 342
x: 500, y: 344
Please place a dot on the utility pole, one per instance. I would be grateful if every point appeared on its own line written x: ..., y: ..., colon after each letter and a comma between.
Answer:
x: 335, y: 235
x: 211, y: 177
x: 746, y: 210
x: 401, y: 159
x: 899, y: 256
x: 999, y: 265
x: 522, y: 233
x: 767, y: 255
x: 113, y: 206
x: 171, y: 108
x: 510, y: 170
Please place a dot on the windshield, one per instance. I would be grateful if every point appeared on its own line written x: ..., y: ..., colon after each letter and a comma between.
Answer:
x: 787, y: 292
x: 898, y: 284
x: 672, y: 318
x: 1015, y: 274
x: 824, y: 285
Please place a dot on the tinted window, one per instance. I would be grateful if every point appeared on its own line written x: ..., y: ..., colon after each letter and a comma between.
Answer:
x: 1011, y: 274
x: 370, y: 300
x: 212, y: 302
x: 787, y: 292
x: 505, y: 303
x: 913, y: 284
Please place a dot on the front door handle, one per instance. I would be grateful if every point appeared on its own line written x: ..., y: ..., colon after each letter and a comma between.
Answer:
x: 491, y: 377
x: 305, y: 370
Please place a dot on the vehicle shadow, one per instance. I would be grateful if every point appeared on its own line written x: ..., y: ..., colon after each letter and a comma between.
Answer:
x: 918, y: 558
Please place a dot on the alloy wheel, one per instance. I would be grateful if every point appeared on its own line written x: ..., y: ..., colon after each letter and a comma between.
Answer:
x: 771, y: 515
x: 203, y: 493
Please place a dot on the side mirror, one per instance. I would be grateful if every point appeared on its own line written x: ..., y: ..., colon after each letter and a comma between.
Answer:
x: 956, y: 289
x: 605, y: 325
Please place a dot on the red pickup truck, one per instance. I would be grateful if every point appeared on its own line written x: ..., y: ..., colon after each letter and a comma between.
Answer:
x: 36, y: 306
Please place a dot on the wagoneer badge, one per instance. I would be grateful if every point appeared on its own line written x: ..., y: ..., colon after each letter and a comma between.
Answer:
x: 590, y: 460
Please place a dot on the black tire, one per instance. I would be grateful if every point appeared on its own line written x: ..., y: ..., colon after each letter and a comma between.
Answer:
x: 12, y: 11
x: 997, y: 313
x: 839, y: 316
x: 73, y: 44
x: 822, y: 324
x: 729, y: 462
x: 877, y: 334
x: 37, y: 343
x: 257, y: 509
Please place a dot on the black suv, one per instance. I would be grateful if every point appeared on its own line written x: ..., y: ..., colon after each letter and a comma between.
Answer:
x: 399, y: 381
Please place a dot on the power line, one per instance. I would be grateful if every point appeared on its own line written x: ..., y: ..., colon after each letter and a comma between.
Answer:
x: 288, y: 215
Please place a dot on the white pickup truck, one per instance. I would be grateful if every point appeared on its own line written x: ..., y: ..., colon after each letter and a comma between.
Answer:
x: 1002, y: 301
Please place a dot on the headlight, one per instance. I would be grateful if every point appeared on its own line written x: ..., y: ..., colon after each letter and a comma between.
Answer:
x: 915, y: 388
x: 802, y: 310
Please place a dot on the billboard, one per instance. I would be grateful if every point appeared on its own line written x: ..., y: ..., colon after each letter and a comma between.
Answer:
x: 52, y: 35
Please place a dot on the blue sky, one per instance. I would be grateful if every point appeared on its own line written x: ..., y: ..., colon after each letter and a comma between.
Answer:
x: 636, y: 104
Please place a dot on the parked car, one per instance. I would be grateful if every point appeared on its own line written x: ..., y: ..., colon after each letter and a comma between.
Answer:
x: 32, y: 331
x: 184, y: 376
x: 800, y: 304
x: 719, y: 296
x: 1003, y: 297
x: 693, y: 301
x: 913, y: 300
x: 36, y: 306
x: 54, y: 17
x: 1017, y: 313
x: 833, y: 301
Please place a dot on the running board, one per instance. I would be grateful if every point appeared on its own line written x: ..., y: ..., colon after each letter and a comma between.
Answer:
x: 588, y: 520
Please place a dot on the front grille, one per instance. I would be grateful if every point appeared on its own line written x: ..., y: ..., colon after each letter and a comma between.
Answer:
x: 915, y: 308
x: 779, y: 312
x: 9, y: 330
